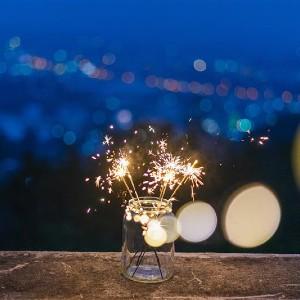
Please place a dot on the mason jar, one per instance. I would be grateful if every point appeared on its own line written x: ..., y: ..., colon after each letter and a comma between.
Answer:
x: 149, y: 232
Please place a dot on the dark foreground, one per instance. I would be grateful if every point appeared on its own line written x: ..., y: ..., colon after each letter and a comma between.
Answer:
x: 66, y: 275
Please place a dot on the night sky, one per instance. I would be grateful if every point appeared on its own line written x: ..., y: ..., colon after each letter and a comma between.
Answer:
x: 224, y: 72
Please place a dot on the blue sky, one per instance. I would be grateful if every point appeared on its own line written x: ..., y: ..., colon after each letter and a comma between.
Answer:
x: 247, y: 28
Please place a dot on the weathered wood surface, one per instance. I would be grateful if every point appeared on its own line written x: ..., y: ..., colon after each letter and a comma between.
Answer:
x: 66, y: 275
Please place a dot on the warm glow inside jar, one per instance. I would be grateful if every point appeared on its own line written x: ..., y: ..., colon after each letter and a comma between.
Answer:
x: 149, y: 232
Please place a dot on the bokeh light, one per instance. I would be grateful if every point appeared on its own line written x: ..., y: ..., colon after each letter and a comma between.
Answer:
x: 248, y: 114
x: 14, y: 42
x: 244, y: 125
x: 169, y: 224
x: 210, y: 126
x: 108, y: 59
x: 296, y: 157
x: 155, y: 235
x: 69, y: 138
x: 59, y: 69
x: 287, y: 96
x: 128, y: 77
x: 124, y: 118
x: 199, y: 65
x: 197, y: 221
x: 251, y: 216
x: 252, y: 93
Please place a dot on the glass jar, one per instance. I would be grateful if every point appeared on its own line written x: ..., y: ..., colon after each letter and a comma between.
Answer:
x: 149, y: 232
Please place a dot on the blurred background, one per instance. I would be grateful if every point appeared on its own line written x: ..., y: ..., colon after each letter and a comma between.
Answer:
x: 225, y: 72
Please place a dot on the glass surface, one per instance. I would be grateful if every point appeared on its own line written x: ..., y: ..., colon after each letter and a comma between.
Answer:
x: 140, y: 261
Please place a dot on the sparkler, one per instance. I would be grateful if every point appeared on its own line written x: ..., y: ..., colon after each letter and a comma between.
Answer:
x: 165, y: 171
x: 120, y: 170
x: 194, y: 175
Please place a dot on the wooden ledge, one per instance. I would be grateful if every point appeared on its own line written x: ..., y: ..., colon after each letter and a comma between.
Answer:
x: 77, y: 275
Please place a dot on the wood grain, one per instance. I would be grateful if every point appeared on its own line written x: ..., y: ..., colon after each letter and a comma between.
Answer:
x: 71, y: 275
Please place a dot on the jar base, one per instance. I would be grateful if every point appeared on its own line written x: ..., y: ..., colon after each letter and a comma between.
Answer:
x: 147, y: 274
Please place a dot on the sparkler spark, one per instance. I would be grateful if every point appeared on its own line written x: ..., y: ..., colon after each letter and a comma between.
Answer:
x: 97, y: 181
x: 260, y: 140
x: 194, y: 175
x: 107, y: 140
x: 119, y: 167
x: 162, y: 145
x: 165, y: 171
x: 151, y: 129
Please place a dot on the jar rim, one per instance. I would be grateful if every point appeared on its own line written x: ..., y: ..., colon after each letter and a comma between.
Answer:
x: 149, y: 204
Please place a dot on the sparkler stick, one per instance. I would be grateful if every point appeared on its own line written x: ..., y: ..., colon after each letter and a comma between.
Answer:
x: 136, y: 194
x: 182, y: 181
x: 124, y: 181
x: 160, y: 192
x: 192, y: 192
x: 158, y: 262
x: 139, y: 260
x: 163, y: 192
